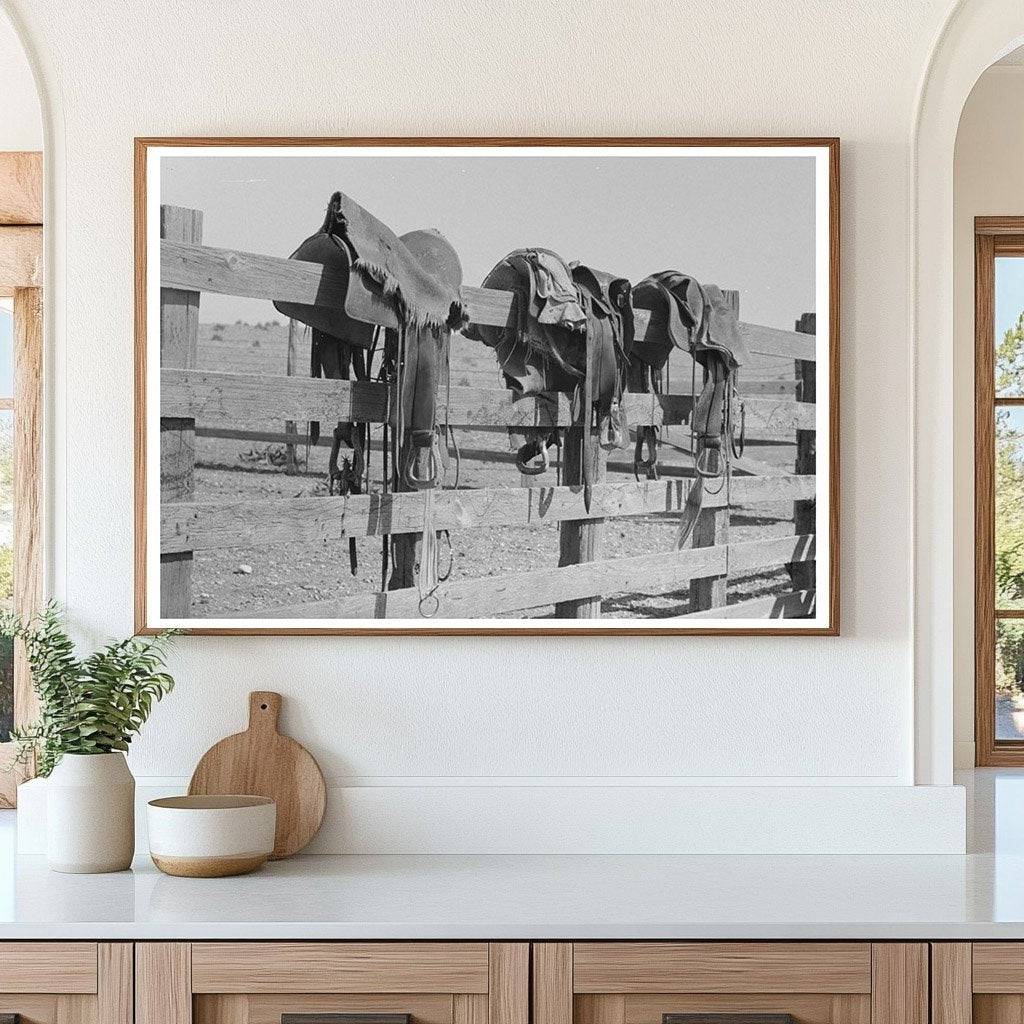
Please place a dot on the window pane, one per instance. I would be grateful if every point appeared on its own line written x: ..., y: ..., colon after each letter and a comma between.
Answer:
x: 1009, y: 326
x: 1009, y: 679
x: 6, y: 349
x: 1009, y: 512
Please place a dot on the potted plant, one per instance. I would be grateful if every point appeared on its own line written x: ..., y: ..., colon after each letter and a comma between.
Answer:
x: 89, y: 710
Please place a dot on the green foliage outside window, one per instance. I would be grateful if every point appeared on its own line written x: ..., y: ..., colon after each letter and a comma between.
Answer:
x: 1009, y: 507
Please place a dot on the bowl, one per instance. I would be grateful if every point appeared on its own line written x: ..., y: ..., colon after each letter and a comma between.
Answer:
x: 211, y: 836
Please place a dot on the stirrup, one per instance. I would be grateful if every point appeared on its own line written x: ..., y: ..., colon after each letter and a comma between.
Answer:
x: 709, y: 464
x: 423, y: 483
x: 648, y: 468
x: 527, y: 453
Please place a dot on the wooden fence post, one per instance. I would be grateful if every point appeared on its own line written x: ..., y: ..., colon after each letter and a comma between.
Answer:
x: 580, y: 539
x: 712, y: 530
x: 803, y: 574
x: 179, y: 336
x: 295, y: 332
x: 405, y: 547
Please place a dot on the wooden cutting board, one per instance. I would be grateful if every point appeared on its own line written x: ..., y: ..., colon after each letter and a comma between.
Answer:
x: 262, y: 762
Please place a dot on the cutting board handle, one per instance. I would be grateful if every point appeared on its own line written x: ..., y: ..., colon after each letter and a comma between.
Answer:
x: 264, y: 711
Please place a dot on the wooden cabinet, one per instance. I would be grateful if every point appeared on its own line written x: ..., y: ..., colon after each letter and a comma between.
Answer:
x: 494, y: 983
x: 815, y: 982
x: 259, y: 982
x: 66, y: 982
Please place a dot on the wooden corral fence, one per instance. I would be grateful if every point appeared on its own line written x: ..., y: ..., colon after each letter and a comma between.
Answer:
x: 220, y: 403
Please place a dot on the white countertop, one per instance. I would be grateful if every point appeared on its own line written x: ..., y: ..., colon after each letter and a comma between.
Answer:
x: 979, y: 896
x: 532, y: 897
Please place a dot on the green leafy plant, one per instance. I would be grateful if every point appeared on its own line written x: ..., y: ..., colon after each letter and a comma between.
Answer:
x: 90, y: 705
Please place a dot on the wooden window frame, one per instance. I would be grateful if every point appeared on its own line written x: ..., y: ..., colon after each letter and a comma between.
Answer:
x: 21, y: 270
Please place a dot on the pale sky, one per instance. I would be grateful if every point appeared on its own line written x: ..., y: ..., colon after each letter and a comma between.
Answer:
x: 744, y: 222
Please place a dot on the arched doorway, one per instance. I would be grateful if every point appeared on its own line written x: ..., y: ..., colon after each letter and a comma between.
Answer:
x: 975, y: 35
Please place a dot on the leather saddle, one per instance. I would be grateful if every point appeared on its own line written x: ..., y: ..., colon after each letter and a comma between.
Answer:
x: 570, y: 331
x: 373, y: 278
x: 697, y: 319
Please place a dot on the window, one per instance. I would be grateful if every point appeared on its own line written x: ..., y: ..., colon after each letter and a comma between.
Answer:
x: 999, y: 490
x: 6, y: 510
x: 21, y: 366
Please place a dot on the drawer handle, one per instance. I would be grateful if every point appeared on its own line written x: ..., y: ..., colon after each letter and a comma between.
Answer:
x: 340, y: 1018
x: 728, y: 1018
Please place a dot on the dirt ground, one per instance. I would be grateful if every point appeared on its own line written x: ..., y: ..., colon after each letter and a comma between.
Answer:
x: 245, y: 581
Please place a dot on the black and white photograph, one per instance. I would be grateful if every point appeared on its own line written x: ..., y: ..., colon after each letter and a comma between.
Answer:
x: 457, y: 386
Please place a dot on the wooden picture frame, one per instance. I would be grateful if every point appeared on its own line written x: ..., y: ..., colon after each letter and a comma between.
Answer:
x: 186, y: 266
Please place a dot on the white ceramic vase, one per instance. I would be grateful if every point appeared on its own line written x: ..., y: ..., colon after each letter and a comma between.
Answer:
x: 90, y: 814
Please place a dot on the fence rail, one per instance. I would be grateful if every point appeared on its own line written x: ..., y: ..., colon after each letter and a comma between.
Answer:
x: 250, y: 275
x: 236, y: 405
x: 211, y: 525
x: 214, y: 397
x: 660, y: 573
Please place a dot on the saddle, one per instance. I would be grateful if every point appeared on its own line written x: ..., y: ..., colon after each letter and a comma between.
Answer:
x: 570, y: 331
x: 374, y: 279
x: 409, y: 285
x: 697, y: 319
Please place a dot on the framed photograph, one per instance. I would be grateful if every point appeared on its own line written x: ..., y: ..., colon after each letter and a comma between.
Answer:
x: 487, y: 386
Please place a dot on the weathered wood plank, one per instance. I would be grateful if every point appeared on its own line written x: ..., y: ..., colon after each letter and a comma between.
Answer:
x: 21, y: 258
x: 239, y: 398
x: 659, y: 573
x: 774, y: 607
x: 211, y: 525
x: 21, y: 188
x: 247, y: 398
x: 251, y: 275
x: 771, y: 341
x: 233, y: 272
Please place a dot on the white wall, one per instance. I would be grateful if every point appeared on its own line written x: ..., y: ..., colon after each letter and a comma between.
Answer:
x: 440, y: 714
x: 988, y: 181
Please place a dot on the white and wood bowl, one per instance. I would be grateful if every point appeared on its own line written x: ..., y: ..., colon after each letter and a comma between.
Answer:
x: 211, y: 836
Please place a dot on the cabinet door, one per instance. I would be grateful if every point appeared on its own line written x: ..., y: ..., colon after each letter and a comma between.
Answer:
x: 738, y: 982
x: 66, y: 982
x: 314, y: 982
x: 980, y: 982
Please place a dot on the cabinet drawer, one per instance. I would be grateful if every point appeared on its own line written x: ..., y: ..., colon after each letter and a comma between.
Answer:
x: 736, y: 982
x: 635, y: 967
x: 340, y: 967
x: 48, y: 967
x: 262, y: 982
